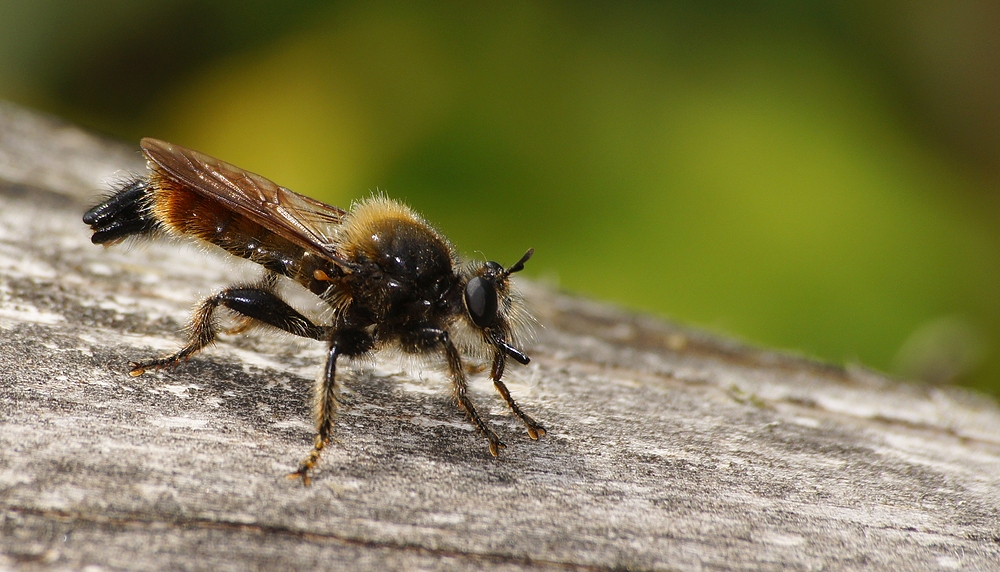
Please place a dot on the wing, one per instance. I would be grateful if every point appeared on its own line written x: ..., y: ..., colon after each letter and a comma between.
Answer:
x: 307, y: 222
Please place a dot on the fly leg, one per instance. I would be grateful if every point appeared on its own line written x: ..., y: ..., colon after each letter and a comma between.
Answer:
x: 440, y: 338
x: 535, y: 429
x: 253, y: 304
x: 348, y: 343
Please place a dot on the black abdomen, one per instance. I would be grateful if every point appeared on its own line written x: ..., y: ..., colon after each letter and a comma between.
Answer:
x: 144, y: 207
x: 129, y: 212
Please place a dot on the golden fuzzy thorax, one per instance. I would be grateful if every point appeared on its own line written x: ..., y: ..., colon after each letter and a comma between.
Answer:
x: 369, y: 218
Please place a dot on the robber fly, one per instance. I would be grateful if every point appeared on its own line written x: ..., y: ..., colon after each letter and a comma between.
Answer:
x: 388, y: 277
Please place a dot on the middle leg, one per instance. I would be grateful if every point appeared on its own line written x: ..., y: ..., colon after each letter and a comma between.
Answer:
x: 345, y: 342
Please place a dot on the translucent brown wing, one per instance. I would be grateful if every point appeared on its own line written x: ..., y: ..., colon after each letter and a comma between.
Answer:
x: 306, y: 222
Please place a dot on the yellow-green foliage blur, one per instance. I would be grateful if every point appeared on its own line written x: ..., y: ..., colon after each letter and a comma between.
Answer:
x: 817, y: 176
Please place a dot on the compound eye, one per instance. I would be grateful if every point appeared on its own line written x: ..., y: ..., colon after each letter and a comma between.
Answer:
x: 481, y: 300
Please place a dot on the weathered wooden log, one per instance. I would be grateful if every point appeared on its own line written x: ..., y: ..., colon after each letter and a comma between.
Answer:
x: 668, y: 448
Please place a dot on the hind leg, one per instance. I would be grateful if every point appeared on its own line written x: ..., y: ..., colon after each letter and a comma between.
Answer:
x: 253, y: 304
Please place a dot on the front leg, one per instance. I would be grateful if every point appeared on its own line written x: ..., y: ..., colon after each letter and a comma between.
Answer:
x: 436, y: 337
x: 535, y: 429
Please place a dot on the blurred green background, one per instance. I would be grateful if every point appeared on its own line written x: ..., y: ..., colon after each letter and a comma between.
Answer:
x: 821, y: 176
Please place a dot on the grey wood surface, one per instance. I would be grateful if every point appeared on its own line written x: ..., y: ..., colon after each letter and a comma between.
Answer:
x: 668, y: 448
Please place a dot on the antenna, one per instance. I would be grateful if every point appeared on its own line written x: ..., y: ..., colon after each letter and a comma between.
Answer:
x: 519, y: 265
